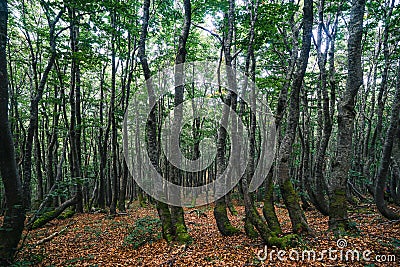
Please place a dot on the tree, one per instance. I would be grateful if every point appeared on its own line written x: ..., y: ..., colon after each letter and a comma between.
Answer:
x: 13, y: 223
x: 36, y: 97
x: 338, y: 220
x: 386, y: 155
x: 177, y: 213
x: 221, y: 217
x: 299, y: 223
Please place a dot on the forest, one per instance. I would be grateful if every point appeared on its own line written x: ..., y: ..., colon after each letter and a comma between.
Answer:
x: 200, y: 133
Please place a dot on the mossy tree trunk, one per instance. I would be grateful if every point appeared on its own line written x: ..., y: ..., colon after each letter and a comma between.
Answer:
x: 290, y: 197
x: 338, y: 220
x: 162, y: 208
x: 177, y: 213
x: 50, y: 215
x: 220, y: 214
x: 269, y: 207
x: 269, y: 237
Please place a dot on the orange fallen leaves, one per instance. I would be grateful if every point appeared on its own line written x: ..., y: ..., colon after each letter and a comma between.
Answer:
x: 98, y: 240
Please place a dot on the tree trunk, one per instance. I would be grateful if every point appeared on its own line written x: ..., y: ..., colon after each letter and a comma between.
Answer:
x: 377, y: 135
x: 75, y: 164
x: 33, y: 119
x: 319, y: 178
x: 114, y: 174
x: 177, y: 214
x: 162, y: 208
x: 103, y: 141
x: 50, y: 215
x: 290, y: 197
x: 386, y: 156
x: 220, y: 214
x: 14, y: 217
x: 341, y: 165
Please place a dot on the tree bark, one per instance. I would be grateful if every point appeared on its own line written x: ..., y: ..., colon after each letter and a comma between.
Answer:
x: 220, y: 214
x: 103, y: 141
x: 338, y: 219
x: 33, y: 120
x: 14, y: 217
x: 377, y: 134
x: 75, y: 123
x: 386, y: 156
x: 162, y: 208
x: 290, y: 197
x: 322, y: 203
x: 114, y: 174
x: 177, y: 214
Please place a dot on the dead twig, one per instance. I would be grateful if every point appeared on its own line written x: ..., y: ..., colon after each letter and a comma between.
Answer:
x: 50, y: 237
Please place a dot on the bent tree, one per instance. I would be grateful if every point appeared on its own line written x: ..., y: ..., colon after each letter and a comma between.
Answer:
x: 172, y: 219
x: 177, y: 213
x: 162, y: 208
x: 221, y: 217
x: 386, y: 156
x: 290, y: 196
x: 338, y: 220
x: 13, y: 223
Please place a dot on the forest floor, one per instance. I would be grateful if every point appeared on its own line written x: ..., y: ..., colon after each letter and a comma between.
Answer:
x: 96, y: 239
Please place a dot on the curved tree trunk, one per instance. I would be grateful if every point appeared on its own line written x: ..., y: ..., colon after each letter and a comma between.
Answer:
x: 338, y: 203
x: 290, y: 197
x: 386, y: 156
x: 220, y: 214
x: 162, y: 208
x: 177, y: 214
x: 320, y: 183
x: 33, y: 119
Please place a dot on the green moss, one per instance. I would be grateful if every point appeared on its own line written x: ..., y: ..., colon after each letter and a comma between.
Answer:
x: 165, y: 221
x: 249, y: 229
x: 232, y: 209
x: 68, y: 213
x: 283, y: 242
x: 43, y: 219
x: 338, y: 212
x: 223, y: 223
x: 141, y: 199
x: 338, y: 200
x: 220, y: 208
x: 269, y: 209
x: 292, y: 202
x: 182, y: 235
x: 271, y: 218
x: 230, y: 229
x: 290, y: 193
